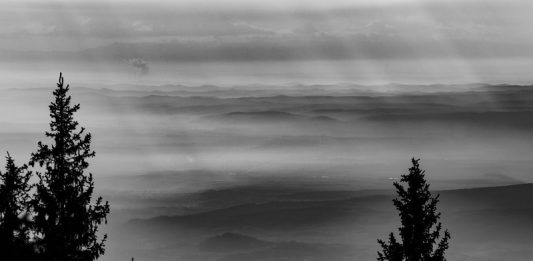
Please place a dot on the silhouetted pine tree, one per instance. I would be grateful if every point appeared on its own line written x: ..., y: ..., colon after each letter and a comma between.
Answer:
x: 66, y: 222
x: 420, y: 227
x: 14, y: 212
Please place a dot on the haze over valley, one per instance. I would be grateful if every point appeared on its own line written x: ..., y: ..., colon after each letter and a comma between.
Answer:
x: 274, y: 130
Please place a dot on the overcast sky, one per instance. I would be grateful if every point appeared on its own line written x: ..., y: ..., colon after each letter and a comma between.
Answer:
x: 323, y: 29
x: 374, y: 41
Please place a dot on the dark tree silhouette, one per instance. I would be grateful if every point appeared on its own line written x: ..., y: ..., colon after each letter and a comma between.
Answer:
x: 14, y: 211
x: 66, y: 221
x: 420, y: 227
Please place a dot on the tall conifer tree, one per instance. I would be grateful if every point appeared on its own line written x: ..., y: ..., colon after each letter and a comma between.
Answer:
x: 66, y: 219
x: 420, y: 226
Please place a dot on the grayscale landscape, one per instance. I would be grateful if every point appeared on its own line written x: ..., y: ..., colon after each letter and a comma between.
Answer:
x: 246, y: 130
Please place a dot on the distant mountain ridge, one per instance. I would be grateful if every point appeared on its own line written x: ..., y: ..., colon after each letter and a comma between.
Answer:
x: 298, y: 212
x: 271, y: 116
x: 478, y: 218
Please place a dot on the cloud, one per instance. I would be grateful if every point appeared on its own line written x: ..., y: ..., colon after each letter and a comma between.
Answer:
x: 421, y: 30
x: 140, y: 64
x: 142, y: 27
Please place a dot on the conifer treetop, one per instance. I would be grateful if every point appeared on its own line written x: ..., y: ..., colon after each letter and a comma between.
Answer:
x: 420, y: 228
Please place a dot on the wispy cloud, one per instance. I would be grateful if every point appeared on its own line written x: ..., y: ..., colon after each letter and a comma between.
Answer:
x: 457, y: 26
x: 139, y: 64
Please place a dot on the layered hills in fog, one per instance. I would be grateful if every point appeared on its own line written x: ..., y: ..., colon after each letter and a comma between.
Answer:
x: 298, y: 172
x: 332, y: 225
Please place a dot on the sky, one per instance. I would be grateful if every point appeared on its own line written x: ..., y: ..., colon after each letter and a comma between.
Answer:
x: 407, y: 41
x: 332, y: 29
